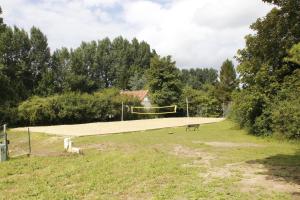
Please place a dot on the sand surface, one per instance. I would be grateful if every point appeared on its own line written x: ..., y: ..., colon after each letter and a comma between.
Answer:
x: 101, y: 128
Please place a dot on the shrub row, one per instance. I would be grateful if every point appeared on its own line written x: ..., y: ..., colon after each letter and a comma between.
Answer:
x: 264, y: 115
x: 74, y: 108
x: 201, y: 104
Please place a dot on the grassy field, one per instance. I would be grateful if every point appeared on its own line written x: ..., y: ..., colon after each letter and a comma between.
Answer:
x: 218, y: 161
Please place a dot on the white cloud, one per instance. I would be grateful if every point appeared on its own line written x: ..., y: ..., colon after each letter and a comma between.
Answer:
x: 197, y: 33
x: 105, y: 3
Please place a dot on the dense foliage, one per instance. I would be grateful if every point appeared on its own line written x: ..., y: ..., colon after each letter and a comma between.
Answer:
x: 28, y: 68
x: 75, y: 108
x: 269, y: 70
x: 209, y: 96
x: 228, y: 81
x: 39, y: 86
x: 164, y: 81
x: 202, y: 103
x: 197, y: 78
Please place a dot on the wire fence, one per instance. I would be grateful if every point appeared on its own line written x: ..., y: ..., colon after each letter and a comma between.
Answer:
x: 19, y: 144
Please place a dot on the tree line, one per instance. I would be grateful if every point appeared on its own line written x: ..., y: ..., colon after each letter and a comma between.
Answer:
x: 30, y: 74
x: 28, y: 68
x: 264, y: 99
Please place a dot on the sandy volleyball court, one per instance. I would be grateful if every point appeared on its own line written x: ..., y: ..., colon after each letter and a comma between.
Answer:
x: 101, y: 128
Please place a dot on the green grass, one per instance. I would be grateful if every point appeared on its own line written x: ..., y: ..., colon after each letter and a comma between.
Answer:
x: 161, y: 164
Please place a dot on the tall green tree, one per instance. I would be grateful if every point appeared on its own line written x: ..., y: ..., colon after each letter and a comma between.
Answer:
x: 164, y: 81
x: 39, y: 57
x: 15, y: 63
x: 228, y: 81
x: 82, y: 61
x: 54, y: 79
x: 264, y: 70
x: 228, y: 75
x: 104, y: 70
x: 141, y: 54
x: 15, y: 74
x: 266, y: 50
x: 121, y: 62
x: 197, y: 78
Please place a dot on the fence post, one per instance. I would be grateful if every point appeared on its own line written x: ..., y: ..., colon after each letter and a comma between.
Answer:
x: 5, y: 140
x: 29, y: 142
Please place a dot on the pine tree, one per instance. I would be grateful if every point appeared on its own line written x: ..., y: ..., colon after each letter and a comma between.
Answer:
x: 228, y: 82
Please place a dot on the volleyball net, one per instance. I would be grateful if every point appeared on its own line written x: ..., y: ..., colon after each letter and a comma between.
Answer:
x: 154, y: 110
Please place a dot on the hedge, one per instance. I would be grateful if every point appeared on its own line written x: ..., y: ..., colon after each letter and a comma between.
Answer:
x: 72, y: 108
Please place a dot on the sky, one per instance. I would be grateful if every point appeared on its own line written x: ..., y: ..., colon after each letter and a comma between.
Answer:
x: 196, y: 33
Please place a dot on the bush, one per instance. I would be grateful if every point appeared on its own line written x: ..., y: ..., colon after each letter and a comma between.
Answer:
x: 201, y: 103
x: 37, y: 110
x: 248, y: 111
x: 286, y: 108
x: 286, y: 118
x: 74, y: 108
x: 264, y: 115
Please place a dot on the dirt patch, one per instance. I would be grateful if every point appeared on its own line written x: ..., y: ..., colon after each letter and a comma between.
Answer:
x: 228, y: 144
x: 108, y: 146
x: 253, y: 177
x: 42, y: 147
x: 50, y: 154
x: 99, y: 146
x: 17, y: 151
x: 53, y: 139
x: 201, y: 156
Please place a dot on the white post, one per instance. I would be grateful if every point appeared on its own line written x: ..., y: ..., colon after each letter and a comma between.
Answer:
x: 187, y: 108
x: 67, y: 143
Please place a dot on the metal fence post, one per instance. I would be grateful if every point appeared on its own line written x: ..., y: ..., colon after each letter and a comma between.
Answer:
x: 5, y: 140
x: 29, y: 142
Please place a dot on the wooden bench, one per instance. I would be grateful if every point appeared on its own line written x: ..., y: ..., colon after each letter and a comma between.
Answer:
x: 192, y: 126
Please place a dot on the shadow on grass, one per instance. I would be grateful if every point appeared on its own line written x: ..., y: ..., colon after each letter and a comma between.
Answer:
x: 282, y: 167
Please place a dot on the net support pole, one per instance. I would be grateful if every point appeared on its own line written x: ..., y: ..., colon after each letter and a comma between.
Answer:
x: 122, y: 115
x: 187, y: 108
x: 29, y: 142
